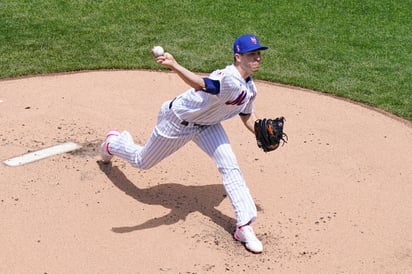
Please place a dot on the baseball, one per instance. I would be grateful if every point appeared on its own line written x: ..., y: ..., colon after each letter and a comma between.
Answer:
x: 157, y: 51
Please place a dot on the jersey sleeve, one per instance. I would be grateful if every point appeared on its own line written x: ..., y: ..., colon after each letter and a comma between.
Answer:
x: 212, y: 86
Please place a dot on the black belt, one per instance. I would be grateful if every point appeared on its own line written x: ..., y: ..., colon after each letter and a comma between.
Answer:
x: 184, y: 122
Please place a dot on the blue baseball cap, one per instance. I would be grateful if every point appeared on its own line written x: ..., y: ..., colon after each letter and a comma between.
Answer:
x: 247, y: 43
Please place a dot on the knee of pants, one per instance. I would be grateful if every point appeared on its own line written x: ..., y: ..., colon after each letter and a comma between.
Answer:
x: 140, y: 164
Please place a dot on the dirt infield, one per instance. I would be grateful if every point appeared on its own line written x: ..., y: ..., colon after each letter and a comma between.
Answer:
x: 336, y: 199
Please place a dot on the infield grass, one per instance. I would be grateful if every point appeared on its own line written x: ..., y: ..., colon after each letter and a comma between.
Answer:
x: 361, y: 50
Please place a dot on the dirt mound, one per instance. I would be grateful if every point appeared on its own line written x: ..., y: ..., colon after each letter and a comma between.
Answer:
x: 336, y: 198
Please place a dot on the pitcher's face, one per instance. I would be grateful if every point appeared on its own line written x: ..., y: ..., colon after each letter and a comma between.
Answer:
x: 250, y: 61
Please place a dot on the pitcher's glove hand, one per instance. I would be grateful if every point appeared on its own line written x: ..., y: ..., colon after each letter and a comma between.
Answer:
x: 269, y: 133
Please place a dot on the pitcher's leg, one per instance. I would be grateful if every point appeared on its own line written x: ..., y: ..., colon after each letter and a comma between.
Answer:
x: 238, y: 193
x: 215, y: 143
x: 167, y: 137
x: 155, y: 150
x: 124, y: 147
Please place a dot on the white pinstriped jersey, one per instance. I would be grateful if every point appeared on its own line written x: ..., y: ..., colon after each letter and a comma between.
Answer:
x: 227, y: 94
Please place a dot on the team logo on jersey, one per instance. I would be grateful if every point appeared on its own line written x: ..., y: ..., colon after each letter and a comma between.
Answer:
x: 240, y: 100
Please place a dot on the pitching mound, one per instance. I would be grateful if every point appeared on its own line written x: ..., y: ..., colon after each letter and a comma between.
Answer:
x: 335, y: 199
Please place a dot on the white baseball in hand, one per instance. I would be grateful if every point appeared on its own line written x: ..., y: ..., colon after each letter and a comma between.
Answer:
x: 157, y: 51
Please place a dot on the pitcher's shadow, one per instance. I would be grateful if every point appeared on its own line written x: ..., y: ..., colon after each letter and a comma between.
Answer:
x: 180, y: 199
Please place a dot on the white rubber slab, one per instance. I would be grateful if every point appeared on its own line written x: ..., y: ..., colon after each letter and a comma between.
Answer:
x: 41, y: 154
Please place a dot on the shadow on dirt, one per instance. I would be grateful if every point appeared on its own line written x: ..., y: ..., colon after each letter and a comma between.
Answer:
x: 180, y: 199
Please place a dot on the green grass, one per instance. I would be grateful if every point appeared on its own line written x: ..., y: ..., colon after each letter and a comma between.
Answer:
x: 360, y: 50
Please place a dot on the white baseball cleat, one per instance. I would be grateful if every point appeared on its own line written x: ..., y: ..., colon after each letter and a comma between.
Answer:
x: 104, y: 148
x: 246, y: 235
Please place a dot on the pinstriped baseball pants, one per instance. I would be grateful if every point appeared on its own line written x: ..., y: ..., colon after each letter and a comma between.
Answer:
x: 169, y: 135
